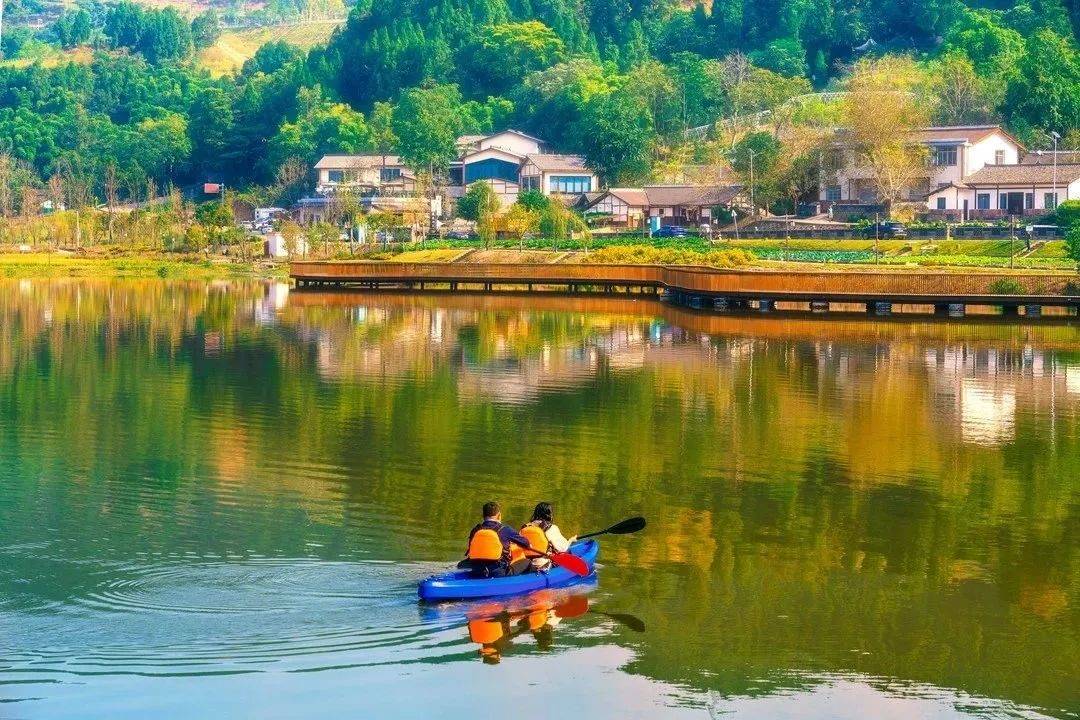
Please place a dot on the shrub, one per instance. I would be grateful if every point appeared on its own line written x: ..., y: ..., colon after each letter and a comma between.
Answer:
x: 1067, y: 214
x: 649, y: 255
x: 1006, y: 286
x: 1072, y: 243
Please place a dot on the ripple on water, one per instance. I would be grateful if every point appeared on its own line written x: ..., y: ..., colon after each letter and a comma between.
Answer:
x: 216, y: 617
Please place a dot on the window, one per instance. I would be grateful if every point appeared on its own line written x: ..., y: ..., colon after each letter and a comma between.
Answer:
x: 1003, y: 202
x: 1029, y: 200
x: 530, y: 182
x: 335, y: 176
x: 941, y: 203
x: 1050, y: 201
x: 389, y: 174
x: 943, y: 155
x: 570, y: 184
x: 982, y: 201
x: 832, y: 193
x: 999, y: 157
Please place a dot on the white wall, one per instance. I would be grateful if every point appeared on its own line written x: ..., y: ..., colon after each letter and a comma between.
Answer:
x: 982, y: 153
x: 510, y: 142
x: 954, y: 197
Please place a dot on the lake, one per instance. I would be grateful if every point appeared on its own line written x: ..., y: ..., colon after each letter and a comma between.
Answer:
x: 216, y: 500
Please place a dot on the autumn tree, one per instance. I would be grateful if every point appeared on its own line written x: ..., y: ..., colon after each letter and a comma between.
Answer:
x: 883, y: 106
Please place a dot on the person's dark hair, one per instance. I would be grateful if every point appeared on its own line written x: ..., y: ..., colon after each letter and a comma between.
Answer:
x: 543, y: 514
x: 491, y: 509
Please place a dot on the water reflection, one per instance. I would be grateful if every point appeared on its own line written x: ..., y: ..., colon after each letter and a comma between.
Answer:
x: 495, y: 625
x: 237, y: 482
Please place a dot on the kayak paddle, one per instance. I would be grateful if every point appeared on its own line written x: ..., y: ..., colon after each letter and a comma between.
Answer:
x: 627, y: 526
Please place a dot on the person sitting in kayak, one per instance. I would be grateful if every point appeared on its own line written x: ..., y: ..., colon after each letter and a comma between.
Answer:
x: 544, y: 536
x: 489, y: 551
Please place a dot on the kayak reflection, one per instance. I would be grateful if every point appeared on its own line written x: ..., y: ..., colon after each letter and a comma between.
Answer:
x: 494, y: 629
x: 497, y: 626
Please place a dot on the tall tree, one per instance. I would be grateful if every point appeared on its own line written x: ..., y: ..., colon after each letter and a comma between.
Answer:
x: 882, y: 108
x: 427, y: 124
x: 616, y: 136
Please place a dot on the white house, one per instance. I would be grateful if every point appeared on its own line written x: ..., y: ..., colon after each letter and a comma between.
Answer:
x: 997, y: 191
x: 364, y: 174
x: 620, y: 206
x: 954, y: 154
x: 512, y: 161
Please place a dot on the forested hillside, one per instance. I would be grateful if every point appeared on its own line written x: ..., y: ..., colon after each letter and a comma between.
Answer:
x: 617, y: 80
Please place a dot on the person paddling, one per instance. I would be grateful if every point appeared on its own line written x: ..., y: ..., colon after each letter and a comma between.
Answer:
x: 544, y: 536
x: 489, y: 552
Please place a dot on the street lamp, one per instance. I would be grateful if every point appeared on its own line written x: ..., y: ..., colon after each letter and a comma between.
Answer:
x: 1056, y: 137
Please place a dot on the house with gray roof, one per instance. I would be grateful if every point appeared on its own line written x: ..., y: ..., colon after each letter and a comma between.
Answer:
x: 997, y: 191
x: 682, y: 205
x: 363, y: 174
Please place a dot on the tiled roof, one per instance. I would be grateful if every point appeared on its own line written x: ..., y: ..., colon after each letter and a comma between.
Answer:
x: 357, y: 162
x: 551, y: 162
x: 1046, y: 157
x: 699, y: 195
x: 1023, y: 175
x: 634, y: 197
x: 675, y: 195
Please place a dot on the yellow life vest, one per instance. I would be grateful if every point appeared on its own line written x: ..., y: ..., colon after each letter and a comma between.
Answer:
x: 485, y: 545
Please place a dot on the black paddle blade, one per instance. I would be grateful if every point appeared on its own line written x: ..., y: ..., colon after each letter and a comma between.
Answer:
x: 629, y: 525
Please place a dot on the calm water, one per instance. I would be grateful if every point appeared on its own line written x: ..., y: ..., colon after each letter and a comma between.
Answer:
x: 216, y: 500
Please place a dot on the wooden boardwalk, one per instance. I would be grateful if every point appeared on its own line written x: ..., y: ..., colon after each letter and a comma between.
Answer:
x: 948, y: 293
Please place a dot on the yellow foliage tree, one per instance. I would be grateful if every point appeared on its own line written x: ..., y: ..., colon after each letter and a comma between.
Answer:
x: 886, y: 101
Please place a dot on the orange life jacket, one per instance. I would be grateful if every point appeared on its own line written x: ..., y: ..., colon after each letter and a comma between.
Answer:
x: 537, y: 541
x: 485, y: 545
x: 486, y: 631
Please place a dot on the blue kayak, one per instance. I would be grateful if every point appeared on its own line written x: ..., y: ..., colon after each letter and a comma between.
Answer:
x: 458, y: 585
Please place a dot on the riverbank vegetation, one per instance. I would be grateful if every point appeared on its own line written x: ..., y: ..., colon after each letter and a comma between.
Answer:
x: 130, y: 265
x: 619, y: 84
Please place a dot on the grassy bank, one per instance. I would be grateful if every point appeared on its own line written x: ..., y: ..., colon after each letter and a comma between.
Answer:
x: 181, y: 267
x: 811, y: 252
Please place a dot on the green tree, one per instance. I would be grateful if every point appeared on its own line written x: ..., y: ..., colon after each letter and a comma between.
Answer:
x: 1072, y: 244
x: 478, y: 199
x: 217, y: 217
x: 505, y: 53
x: 1044, y: 91
x: 73, y: 28
x: 615, y: 134
x: 755, y: 158
x: 323, y: 127
x: 210, y: 126
x: 427, y: 124
x: 381, y: 129
x: 206, y: 28
x: 533, y: 200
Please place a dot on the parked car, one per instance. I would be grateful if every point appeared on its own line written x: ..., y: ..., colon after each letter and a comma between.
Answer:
x: 887, y: 229
x: 670, y: 231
